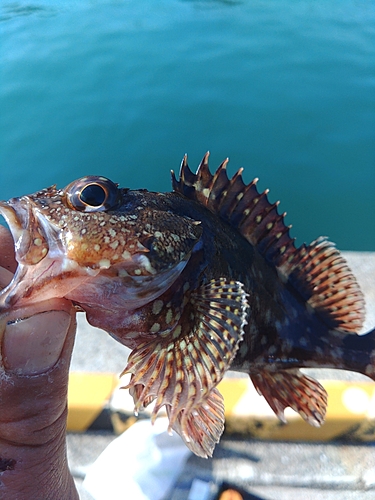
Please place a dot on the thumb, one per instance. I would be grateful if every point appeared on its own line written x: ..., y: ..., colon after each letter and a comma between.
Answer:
x: 34, y: 337
x: 35, y: 354
x: 35, y: 350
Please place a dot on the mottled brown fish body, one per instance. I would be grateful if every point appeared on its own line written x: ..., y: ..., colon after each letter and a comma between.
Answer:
x: 197, y: 281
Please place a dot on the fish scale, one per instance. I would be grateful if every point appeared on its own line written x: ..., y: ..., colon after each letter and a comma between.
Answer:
x: 196, y: 282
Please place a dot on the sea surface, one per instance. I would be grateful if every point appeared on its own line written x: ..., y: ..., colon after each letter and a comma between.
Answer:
x: 123, y: 88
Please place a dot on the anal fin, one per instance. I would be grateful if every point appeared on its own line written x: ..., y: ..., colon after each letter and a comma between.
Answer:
x: 291, y: 388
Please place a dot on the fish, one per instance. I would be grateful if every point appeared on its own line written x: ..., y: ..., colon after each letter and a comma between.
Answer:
x: 196, y: 281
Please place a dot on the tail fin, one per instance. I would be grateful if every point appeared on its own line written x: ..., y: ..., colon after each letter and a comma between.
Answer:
x: 358, y: 353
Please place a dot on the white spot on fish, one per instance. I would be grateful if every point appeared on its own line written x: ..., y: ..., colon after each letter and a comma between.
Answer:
x: 319, y: 351
x: 169, y: 316
x: 337, y: 352
x: 303, y: 341
x: 243, y: 349
x: 294, y: 312
x: 155, y: 328
x: 272, y: 350
x: 278, y: 325
x: 287, y: 345
x: 146, y: 264
x: 157, y: 306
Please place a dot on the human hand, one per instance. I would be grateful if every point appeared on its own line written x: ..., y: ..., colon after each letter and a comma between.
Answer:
x: 35, y: 353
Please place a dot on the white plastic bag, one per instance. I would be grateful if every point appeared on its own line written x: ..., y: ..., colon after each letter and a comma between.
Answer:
x: 141, y: 464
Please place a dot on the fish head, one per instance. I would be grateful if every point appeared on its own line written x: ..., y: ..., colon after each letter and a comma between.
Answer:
x: 94, y: 243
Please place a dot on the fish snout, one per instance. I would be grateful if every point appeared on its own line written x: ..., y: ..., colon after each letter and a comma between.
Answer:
x: 30, y: 242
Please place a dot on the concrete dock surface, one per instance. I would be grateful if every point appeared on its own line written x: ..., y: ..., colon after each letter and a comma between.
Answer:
x: 269, y: 470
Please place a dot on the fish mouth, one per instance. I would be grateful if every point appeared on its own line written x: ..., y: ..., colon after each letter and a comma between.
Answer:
x: 33, y: 237
x: 40, y: 259
x: 17, y: 216
x: 15, y: 221
x: 31, y: 243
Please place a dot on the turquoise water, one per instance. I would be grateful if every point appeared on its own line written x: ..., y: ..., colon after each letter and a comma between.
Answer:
x: 285, y: 88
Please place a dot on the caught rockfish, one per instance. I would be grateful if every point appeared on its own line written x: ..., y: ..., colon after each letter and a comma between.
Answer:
x: 196, y: 281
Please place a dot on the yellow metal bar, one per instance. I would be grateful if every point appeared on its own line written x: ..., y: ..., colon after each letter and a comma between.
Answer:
x: 88, y: 393
x: 350, y: 415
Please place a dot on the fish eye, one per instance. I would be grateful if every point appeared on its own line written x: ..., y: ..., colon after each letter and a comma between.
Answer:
x: 92, y: 194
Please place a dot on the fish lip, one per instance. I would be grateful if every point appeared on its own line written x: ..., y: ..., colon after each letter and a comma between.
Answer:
x: 21, y: 219
x: 21, y: 216
x: 31, y: 282
x: 16, y: 215
x: 15, y: 219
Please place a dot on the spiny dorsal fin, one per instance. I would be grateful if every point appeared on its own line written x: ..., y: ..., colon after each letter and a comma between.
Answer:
x: 182, y: 365
x: 317, y: 271
x: 241, y: 205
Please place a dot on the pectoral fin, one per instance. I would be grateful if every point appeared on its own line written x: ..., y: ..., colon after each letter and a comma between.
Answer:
x: 181, y: 367
x: 202, y: 427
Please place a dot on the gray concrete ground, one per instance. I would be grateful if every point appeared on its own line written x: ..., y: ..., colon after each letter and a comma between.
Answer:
x: 269, y: 470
